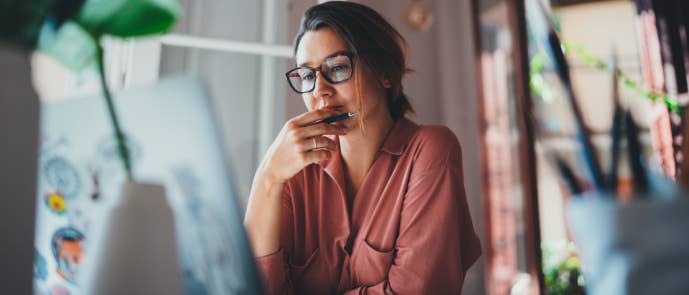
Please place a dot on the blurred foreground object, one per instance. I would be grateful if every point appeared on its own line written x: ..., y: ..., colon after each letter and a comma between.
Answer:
x: 74, y: 40
x: 639, y: 247
x: 20, y: 22
x: 137, y: 253
x: 18, y: 162
x: 662, y: 27
x: 22, y: 26
x: 635, y: 244
x: 185, y: 156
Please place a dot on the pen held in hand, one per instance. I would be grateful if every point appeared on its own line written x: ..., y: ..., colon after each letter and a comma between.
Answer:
x: 334, y: 119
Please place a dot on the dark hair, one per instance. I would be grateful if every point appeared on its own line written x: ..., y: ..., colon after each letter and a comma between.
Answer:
x: 370, y: 37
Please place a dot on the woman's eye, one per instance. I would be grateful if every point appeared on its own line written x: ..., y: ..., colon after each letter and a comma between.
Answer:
x: 308, y: 76
x: 339, y: 68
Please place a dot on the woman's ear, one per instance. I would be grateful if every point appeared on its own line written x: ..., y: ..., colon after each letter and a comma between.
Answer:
x: 387, y: 84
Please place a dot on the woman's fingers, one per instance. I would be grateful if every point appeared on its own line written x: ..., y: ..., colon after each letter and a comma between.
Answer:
x: 319, y: 129
x: 312, y: 116
x: 316, y: 156
x: 316, y: 142
x: 303, y: 141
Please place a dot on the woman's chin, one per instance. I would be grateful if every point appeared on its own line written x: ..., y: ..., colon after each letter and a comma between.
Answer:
x: 351, y: 124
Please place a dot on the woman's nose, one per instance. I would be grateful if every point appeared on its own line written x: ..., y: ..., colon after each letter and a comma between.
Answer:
x: 323, y: 88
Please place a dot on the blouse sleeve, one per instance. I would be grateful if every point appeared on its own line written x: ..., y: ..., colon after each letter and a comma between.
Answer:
x: 436, y: 242
x: 273, y: 267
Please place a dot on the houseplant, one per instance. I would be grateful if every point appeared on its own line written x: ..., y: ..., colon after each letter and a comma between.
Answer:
x: 50, y: 25
x: 72, y: 36
x: 135, y: 239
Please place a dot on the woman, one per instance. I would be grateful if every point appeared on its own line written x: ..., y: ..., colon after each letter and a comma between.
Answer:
x: 371, y: 204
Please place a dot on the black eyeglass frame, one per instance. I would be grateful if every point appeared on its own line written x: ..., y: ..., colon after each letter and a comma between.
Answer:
x: 349, y: 55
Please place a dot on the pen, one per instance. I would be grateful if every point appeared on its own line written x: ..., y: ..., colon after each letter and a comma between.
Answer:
x: 636, y: 157
x: 616, y: 130
x: 589, y: 151
x: 544, y: 32
x: 334, y: 119
x: 568, y: 175
x: 616, y: 135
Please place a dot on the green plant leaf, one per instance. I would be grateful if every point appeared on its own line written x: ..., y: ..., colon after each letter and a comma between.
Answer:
x: 21, y: 21
x: 71, y: 45
x: 128, y: 18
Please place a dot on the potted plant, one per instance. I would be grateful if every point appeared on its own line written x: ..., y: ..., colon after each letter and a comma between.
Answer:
x: 136, y: 238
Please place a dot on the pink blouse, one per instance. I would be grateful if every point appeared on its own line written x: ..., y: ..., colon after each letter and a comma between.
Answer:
x: 407, y: 231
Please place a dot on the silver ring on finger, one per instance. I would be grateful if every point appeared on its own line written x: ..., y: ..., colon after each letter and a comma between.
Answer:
x: 315, y: 143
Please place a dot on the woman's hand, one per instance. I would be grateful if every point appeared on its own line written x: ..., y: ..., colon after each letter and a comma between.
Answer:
x: 299, y: 144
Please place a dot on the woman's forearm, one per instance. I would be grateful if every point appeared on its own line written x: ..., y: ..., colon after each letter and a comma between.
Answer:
x: 298, y: 144
x: 263, y: 213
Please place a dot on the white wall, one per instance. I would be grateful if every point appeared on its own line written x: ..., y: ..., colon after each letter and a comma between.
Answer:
x: 232, y: 80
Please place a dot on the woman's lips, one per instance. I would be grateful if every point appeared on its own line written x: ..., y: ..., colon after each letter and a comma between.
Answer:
x: 334, y: 108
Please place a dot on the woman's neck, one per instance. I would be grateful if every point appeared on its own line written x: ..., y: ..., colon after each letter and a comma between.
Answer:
x: 359, y: 148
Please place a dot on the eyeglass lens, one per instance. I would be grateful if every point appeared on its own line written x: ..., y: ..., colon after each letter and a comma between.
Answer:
x: 334, y: 69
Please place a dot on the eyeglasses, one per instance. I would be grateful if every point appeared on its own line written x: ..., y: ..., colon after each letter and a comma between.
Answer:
x: 335, y: 69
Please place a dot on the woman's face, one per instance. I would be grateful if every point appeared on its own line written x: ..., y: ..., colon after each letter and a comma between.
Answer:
x: 315, y: 46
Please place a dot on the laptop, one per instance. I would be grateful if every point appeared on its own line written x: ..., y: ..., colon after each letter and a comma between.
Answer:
x: 172, y: 139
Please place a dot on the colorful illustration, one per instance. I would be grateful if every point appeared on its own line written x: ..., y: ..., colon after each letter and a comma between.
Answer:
x: 40, y: 270
x: 67, y: 250
x: 63, y: 176
x: 56, y: 202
